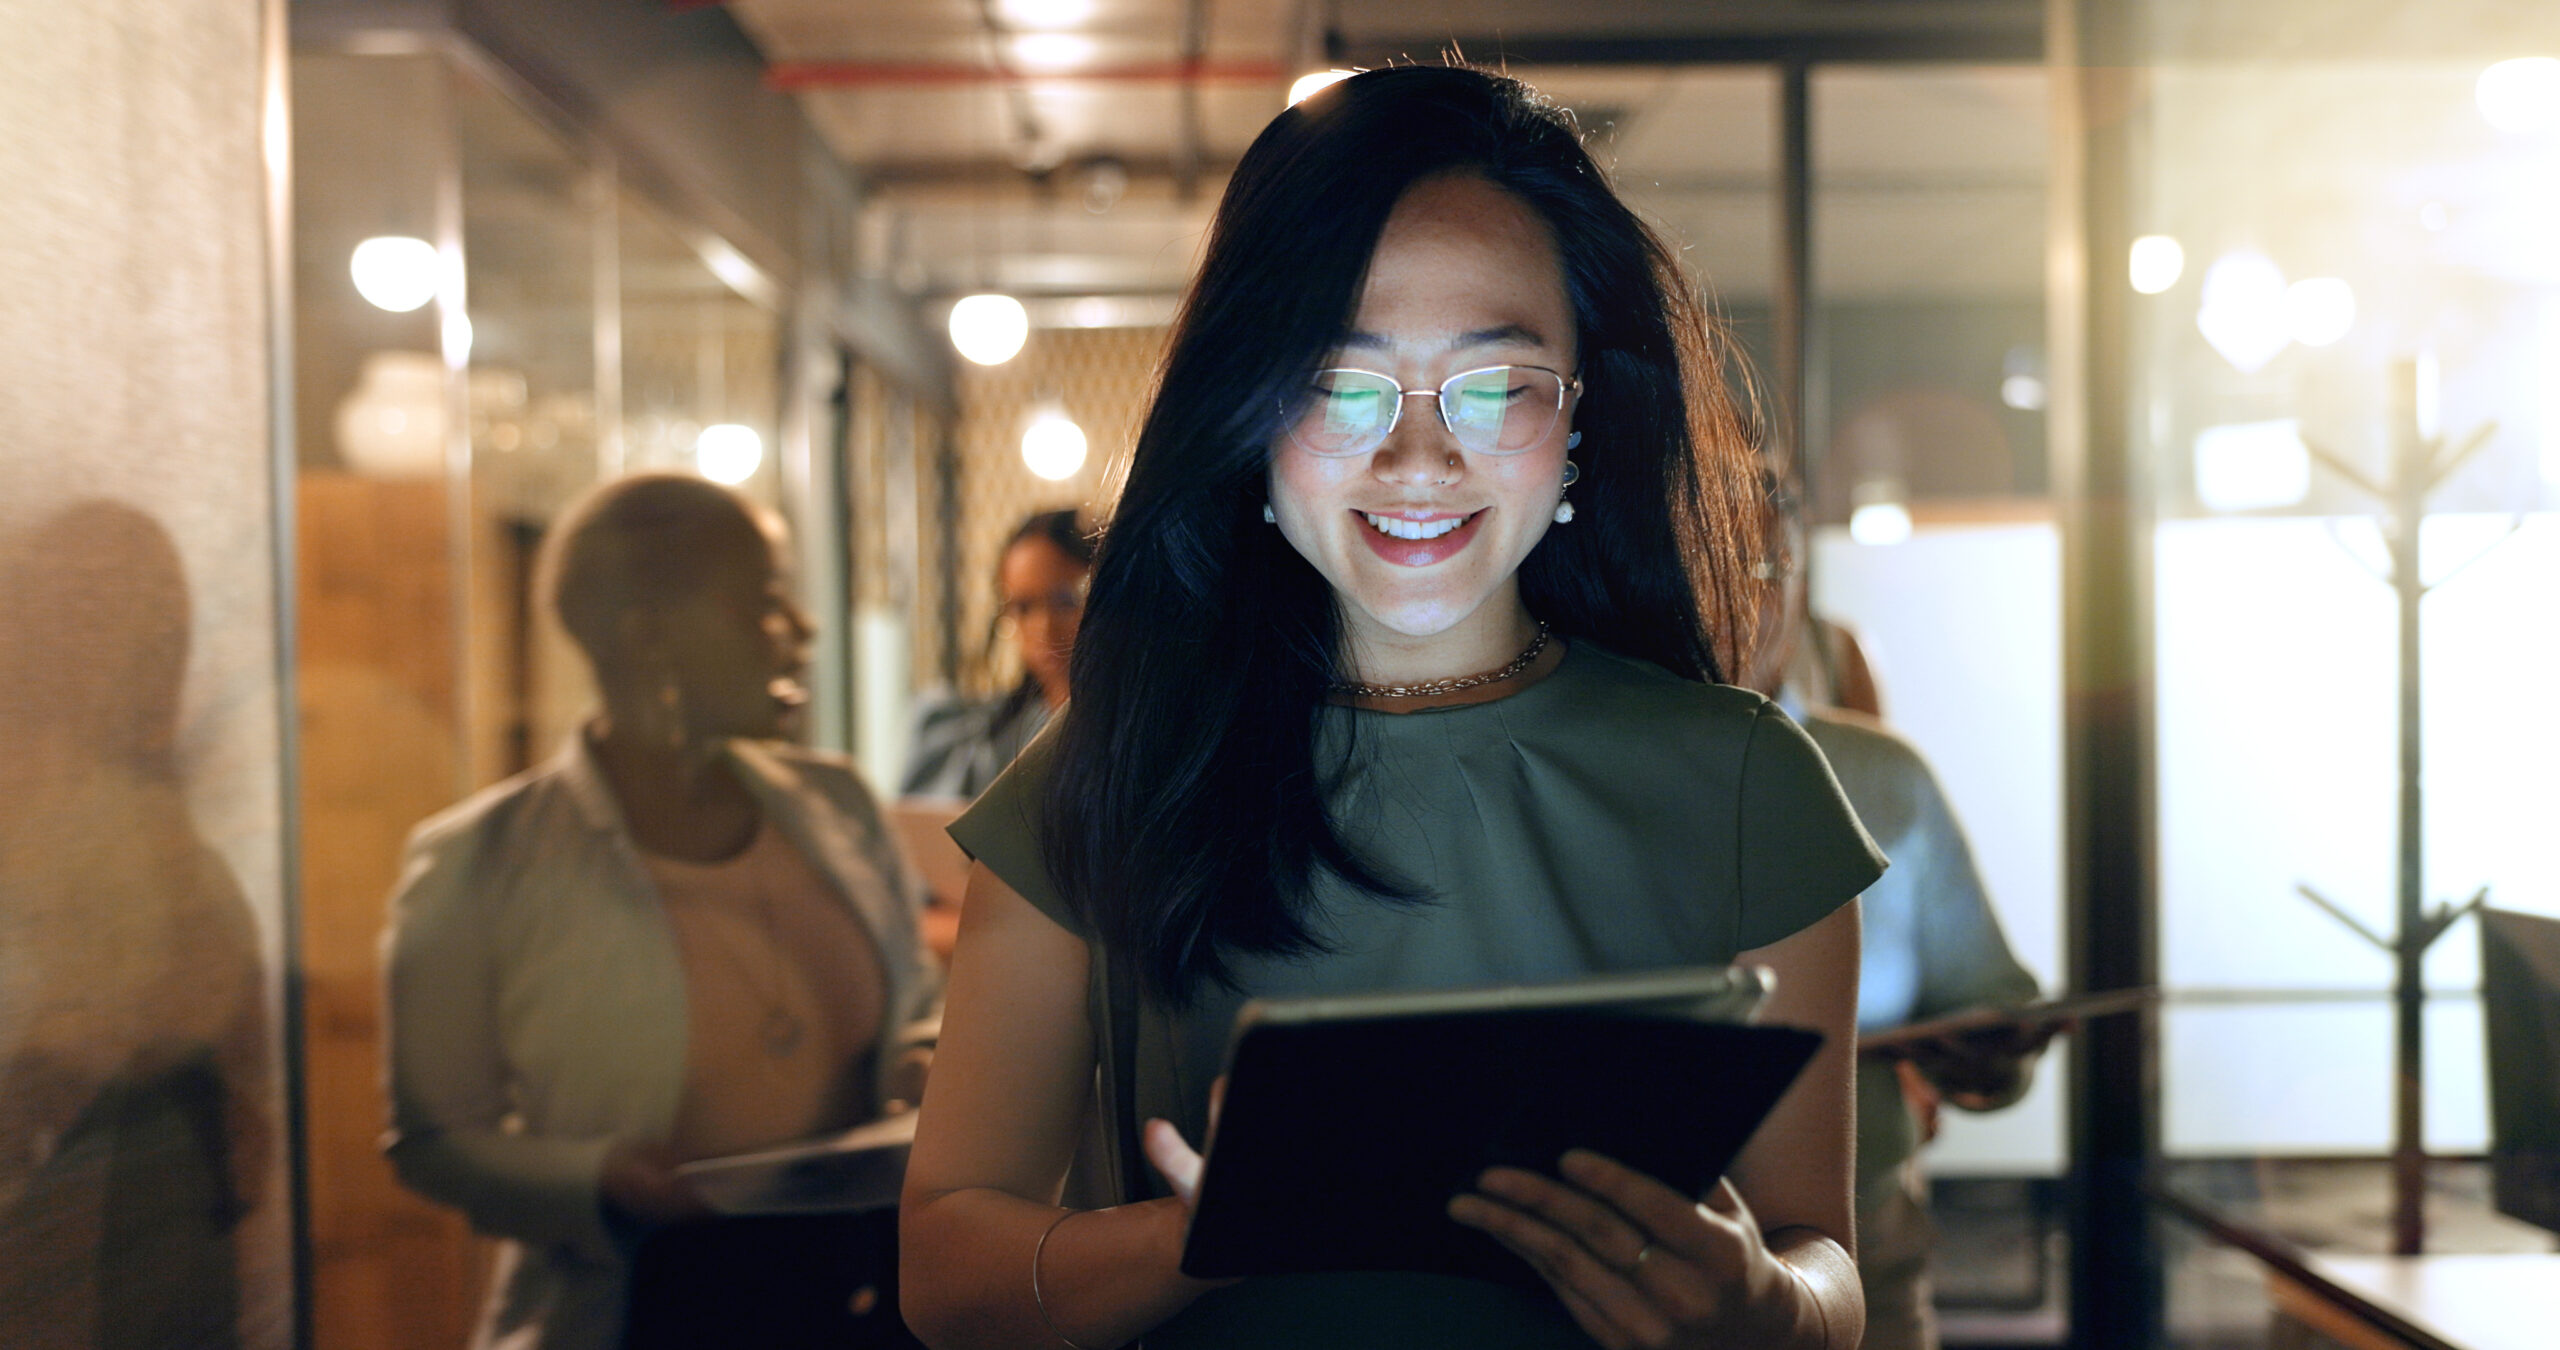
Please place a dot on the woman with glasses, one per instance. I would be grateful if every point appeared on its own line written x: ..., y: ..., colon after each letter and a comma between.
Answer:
x: 1400, y: 670
x: 961, y: 745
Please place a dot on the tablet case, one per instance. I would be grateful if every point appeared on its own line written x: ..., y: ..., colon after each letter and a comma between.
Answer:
x: 1341, y: 1140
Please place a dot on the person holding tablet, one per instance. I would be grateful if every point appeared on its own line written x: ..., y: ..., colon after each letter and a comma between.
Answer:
x: 1400, y: 670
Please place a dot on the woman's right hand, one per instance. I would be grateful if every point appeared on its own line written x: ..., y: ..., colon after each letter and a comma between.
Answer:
x: 640, y: 1180
x: 1172, y: 1155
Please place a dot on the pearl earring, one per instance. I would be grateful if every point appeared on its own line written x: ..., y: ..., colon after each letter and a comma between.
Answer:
x: 1572, y: 475
x: 1269, y: 517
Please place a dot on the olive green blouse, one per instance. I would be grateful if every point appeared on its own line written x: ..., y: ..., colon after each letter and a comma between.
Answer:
x: 1609, y: 817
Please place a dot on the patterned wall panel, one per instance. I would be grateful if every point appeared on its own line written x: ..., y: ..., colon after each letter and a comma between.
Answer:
x: 1100, y: 377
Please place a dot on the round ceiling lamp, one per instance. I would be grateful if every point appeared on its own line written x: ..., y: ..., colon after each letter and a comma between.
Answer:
x: 1053, y: 446
x: 2155, y: 263
x: 1045, y: 13
x: 989, y: 329
x: 395, y: 271
x: 728, y: 453
x: 2522, y: 96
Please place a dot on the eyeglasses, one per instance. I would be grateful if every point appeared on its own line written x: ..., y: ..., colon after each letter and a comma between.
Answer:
x: 1499, y: 410
x: 1055, y: 604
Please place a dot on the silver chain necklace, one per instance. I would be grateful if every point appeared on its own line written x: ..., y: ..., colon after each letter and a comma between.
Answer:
x: 1450, y: 686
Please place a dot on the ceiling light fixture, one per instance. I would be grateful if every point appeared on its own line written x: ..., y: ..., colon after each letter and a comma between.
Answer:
x: 2520, y: 96
x: 728, y: 453
x: 395, y: 271
x: 1049, y: 53
x: 1053, y: 446
x: 989, y: 329
x: 2155, y: 263
x: 1045, y: 13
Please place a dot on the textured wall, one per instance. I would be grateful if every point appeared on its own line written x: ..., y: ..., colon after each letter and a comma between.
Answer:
x: 1103, y: 378
x: 142, y: 1185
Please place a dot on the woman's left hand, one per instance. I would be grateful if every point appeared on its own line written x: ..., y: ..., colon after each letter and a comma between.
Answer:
x: 1637, y: 1263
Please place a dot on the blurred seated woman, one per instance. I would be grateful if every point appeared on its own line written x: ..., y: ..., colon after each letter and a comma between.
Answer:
x: 1364, y: 701
x: 961, y: 745
x: 681, y: 938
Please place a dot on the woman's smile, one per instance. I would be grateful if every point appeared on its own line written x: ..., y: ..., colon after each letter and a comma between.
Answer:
x: 1410, y: 540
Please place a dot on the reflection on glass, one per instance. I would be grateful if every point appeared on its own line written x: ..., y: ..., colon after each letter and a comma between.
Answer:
x: 395, y: 272
x: 2346, y: 725
x: 2156, y: 263
x: 1927, y: 479
x: 696, y: 355
x: 2422, y: 233
x: 138, y: 1129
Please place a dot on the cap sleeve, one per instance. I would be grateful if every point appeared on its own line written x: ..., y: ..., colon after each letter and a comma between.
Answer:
x: 1002, y: 829
x: 1802, y: 851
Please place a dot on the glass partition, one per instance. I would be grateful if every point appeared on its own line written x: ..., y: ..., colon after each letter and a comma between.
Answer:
x: 1935, y: 557
x: 1934, y: 544
x: 2346, y: 347
x: 380, y: 674
x: 529, y: 238
x: 2368, y: 289
x: 487, y: 323
x: 698, y: 362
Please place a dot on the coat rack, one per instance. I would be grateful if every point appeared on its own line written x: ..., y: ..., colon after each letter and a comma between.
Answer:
x: 2420, y: 464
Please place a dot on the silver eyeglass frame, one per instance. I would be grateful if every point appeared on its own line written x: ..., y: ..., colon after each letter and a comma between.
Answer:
x: 1567, y: 387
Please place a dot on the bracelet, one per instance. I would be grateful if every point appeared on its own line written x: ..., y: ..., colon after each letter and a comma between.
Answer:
x: 1037, y: 1299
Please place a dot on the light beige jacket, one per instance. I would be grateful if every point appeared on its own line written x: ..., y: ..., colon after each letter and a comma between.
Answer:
x: 537, y: 1010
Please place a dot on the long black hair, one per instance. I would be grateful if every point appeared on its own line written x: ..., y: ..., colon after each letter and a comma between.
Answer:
x: 1185, y: 817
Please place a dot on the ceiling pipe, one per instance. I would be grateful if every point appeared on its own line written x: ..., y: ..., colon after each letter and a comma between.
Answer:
x: 794, y: 76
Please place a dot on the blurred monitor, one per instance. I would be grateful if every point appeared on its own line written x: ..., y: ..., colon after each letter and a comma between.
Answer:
x: 2520, y: 997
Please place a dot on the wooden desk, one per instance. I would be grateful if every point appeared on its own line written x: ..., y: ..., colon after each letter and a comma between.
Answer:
x: 2467, y: 1301
x: 2506, y: 1301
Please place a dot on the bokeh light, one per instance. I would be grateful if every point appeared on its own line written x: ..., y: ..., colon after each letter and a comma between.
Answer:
x: 395, y: 271
x: 2319, y: 310
x: 1045, y: 13
x: 1052, y: 52
x: 2244, y: 315
x: 989, y: 329
x: 728, y: 453
x: 1053, y: 446
x: 1880, y: 523
x: 2155, y: 263
x: 2522, y: 96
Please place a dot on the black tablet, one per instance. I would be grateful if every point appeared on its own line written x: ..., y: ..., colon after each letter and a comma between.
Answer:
x: 1348, y: 1123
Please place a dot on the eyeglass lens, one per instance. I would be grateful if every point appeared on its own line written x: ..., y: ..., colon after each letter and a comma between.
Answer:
x: 1017, y: 609
x: 1499, y: 410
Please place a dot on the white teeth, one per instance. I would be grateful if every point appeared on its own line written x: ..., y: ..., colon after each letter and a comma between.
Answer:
x: 1414, y: 529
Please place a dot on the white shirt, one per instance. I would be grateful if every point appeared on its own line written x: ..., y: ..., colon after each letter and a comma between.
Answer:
x: 537, y: 1010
